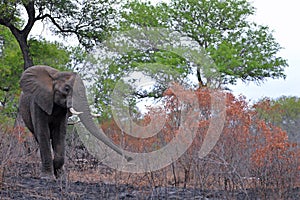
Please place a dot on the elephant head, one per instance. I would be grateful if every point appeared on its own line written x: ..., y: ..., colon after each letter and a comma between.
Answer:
x: 51, y: 88
x: 48, y: 86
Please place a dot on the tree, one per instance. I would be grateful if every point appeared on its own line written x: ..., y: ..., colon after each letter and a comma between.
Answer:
x: 50, y: 53
x: 241, y: 49
x: 10, y: 71
x: 89, y: 21
x: 153, y: 64
x: 283, y: 112
x: 236, y: 47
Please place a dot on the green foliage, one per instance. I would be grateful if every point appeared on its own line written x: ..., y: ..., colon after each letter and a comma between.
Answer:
x: 159, y: 66
x: 90, y: 21
x: 283, y: 112
x: 141, y: 14
x: 241, y: 49
x: 51, y: 54
x: 11, y: 63
x: 249, y: 55
x: 10, y: 12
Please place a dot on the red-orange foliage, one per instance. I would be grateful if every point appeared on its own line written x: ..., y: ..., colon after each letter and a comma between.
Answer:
x: 275, y: 159
x: 272, y: 143
x: 248, y: 145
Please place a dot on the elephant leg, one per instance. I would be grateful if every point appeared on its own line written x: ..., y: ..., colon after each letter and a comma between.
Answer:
x: 42, y: 133
x: 58, y: 144
x: 46, y: 157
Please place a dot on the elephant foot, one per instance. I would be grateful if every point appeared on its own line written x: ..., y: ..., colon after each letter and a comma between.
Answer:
x: 59, y: 172
x: 47, y: 176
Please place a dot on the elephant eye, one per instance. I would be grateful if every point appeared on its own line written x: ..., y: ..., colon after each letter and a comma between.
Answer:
x: 67, y: 88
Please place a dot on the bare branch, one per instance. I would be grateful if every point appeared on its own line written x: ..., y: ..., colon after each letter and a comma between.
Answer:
x: 52, y: 19
x: 31, y: 18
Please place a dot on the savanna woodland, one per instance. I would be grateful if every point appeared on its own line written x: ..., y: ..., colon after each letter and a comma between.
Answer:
x: 200, y: 46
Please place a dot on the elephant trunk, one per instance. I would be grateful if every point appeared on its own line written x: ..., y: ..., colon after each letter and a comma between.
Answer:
x: 81, y: 106
x: 69, y: 101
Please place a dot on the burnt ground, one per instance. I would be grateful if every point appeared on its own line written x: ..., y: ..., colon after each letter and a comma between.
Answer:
x: 87, y: 178
x: 23, y: 183
x: 33, y: 188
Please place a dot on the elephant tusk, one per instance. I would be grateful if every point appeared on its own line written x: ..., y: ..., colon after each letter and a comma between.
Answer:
x: 95, y: 115
x: 74, y: 112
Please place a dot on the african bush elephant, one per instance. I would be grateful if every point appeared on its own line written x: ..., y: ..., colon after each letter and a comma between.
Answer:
x: 48, y: 98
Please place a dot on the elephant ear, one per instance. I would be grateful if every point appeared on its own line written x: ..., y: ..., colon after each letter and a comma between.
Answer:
x: 38, y: 81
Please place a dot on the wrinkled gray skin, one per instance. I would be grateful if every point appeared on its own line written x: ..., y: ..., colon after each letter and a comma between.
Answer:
x: 47, y: 95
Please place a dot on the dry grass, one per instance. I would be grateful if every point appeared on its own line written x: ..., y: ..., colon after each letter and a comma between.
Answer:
x: 20, y: 159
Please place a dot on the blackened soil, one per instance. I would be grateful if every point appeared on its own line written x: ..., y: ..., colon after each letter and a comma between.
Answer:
x: 34, y: 188
x: 25, y: 185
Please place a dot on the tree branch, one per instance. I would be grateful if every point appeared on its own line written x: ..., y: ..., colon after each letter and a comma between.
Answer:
x: 52, y: 19
x: 145, y: 95
x: 3, y: 22
x: 31, y: 18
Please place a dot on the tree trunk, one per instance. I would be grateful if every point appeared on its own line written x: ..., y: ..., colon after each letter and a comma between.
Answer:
x: 200, y: 82
x: 22, y: 40
x: 21, y: 37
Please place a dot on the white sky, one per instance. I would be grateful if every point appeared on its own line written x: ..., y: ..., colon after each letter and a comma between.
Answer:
x: 282, y: 17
